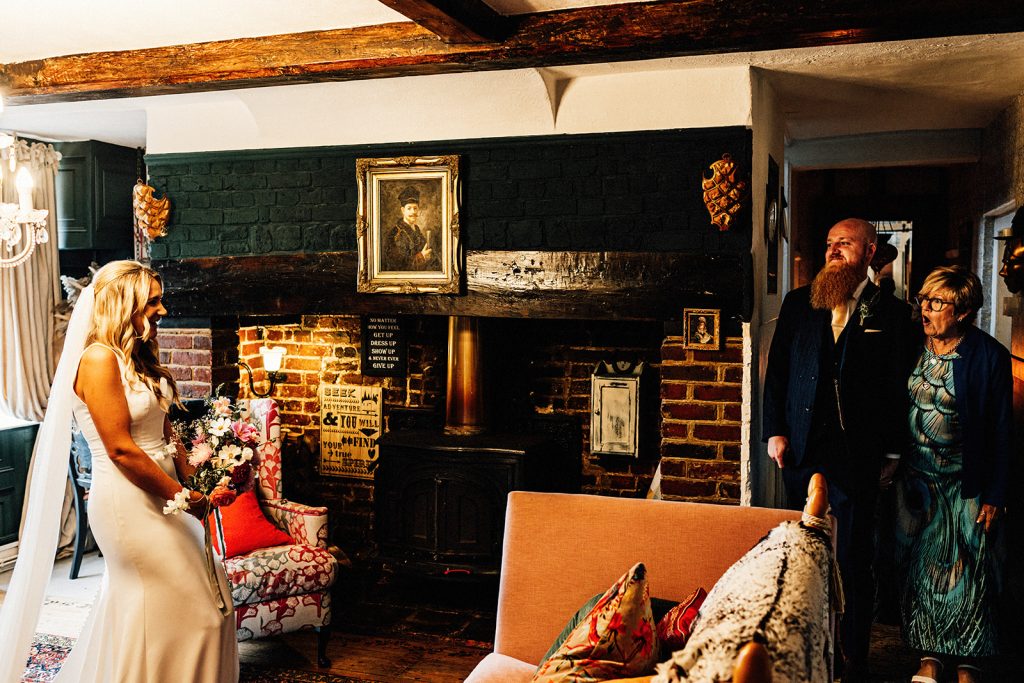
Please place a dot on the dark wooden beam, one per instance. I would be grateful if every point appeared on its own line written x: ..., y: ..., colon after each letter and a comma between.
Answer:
x: 500, y: 284
x: 595, y: 34
x: 455, y: 21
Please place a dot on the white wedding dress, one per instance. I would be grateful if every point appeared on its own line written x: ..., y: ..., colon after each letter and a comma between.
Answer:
x: 156, y: 618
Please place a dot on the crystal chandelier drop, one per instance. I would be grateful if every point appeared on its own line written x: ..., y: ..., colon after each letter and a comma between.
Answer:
x: 21, y: 226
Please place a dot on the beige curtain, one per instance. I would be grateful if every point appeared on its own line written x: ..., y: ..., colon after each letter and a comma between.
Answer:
x: 29, y: 295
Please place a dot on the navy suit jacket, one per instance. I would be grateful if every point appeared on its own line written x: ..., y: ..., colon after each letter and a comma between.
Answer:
x: 983, y: 384
x: 874, y: 362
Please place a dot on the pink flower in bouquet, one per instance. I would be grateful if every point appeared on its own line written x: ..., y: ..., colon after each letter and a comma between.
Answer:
x: 244, y: 431
x: 221, y: 406
x: 201, y: 452
x: 221, y: 496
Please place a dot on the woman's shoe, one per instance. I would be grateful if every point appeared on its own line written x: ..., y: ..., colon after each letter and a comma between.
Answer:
x: 920, y: 677
x: 973, y: 672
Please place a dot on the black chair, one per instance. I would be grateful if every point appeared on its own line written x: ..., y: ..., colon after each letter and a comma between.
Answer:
x: 80, y: 471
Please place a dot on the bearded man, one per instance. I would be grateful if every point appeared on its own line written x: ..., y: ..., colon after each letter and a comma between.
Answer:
x: 835, y: 402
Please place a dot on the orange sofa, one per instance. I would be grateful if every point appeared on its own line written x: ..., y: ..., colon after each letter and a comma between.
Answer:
x: 562, y: 549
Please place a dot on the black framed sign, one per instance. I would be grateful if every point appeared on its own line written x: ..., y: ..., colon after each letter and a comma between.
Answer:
x: 385, y: 351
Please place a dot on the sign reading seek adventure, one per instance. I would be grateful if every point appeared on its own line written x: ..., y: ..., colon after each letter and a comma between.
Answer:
x: 384, y: 349
x: 350, y: 424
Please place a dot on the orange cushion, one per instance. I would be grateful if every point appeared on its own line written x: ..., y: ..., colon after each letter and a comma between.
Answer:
x: 246, y: 528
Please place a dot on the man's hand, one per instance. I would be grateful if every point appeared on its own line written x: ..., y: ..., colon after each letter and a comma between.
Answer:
x: 778, y: 446
x: 889, y: 467
x: 988, y: 515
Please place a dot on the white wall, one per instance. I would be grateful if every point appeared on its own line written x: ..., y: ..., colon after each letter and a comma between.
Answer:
x: 761, y: 484
x: 451, y: 106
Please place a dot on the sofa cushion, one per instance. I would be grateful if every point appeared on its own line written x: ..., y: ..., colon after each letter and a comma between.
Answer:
x: 659, y: 609
x: 499, y: 668
x: 675, y: 627
x: 246, y: 528
x: 279, y: 572
x: 616, y: 639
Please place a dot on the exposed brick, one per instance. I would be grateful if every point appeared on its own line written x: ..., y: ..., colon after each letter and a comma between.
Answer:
x: 673, y: 391
x: 732, y: 412
x: 675, y: 430
x: 180, y: 372
x: 689, y: 372
x: 732, y: 374
x: 169, y: 340
x: 202, y: 375
x: 731, y: 452
x: 716, y: 432
x: 689, y: 411
x: 729, y: 491
x: 673, y: 352
x: 717, y: 392
x: 688, y: 450
x: 720, y: 471
x: 727, y: 355
x: 190, y: 358
x: 673, y: 467
x: 688, y: 488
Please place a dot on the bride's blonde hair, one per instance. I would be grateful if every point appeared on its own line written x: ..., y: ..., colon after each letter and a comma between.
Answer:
x: 121, y: 290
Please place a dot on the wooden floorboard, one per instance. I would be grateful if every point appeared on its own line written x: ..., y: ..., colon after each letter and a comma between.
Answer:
x: 399, y: 657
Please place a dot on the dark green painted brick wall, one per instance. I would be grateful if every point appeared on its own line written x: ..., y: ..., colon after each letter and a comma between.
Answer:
x: 621, y: 192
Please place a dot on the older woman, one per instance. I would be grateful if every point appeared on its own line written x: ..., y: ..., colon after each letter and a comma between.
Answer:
x: 953, y: 486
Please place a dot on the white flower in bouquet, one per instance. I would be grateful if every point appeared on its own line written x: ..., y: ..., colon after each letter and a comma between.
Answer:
x: 230, y: 453
x: 220, y: 426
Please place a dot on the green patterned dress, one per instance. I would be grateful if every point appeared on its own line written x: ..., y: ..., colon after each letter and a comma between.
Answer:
x: 943, y: 555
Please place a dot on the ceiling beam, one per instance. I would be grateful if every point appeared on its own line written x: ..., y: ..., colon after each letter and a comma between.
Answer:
x: 585, y: 35
x: 455, y: 21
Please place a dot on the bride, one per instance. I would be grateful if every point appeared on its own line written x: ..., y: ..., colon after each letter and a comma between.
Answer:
x: 158, y: 617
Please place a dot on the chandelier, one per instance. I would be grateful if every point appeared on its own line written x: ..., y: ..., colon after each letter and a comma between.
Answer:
x: 21, y: 226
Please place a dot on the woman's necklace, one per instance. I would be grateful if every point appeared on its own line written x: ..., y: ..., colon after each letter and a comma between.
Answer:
x: 935, y: 354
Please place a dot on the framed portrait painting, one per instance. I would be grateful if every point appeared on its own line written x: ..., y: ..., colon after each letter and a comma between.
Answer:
x: 702, y: 328
x: 407, y: 227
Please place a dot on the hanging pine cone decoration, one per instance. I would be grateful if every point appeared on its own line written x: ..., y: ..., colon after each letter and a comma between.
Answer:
x: 724, y: 195
x: 150, y: 213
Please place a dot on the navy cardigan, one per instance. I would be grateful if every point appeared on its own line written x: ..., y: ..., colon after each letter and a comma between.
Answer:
x: 983, y: 382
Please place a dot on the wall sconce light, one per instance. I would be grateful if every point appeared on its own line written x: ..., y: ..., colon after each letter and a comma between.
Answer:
x: 273, y: 357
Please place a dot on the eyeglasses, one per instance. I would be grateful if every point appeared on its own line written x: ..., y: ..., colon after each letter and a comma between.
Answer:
x: 931, y: 303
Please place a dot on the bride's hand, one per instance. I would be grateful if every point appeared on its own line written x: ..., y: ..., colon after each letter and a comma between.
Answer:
x: 198, y: 507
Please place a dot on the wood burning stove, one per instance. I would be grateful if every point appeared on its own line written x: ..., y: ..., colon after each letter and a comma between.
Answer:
x: 440, y: 495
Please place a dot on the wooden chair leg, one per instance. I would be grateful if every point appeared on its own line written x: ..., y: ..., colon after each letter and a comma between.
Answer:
x: 753, y: 665
x: 323, y: 634
x: 81, y: 528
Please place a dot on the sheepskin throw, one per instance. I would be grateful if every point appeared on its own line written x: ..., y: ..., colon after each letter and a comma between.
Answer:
x: 776, y: 594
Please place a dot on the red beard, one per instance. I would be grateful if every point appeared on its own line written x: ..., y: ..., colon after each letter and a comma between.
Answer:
x: 834, y: 286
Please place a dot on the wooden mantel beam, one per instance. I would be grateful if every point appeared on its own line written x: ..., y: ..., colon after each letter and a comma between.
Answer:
x: 455, y: 21
x: 593, y: 34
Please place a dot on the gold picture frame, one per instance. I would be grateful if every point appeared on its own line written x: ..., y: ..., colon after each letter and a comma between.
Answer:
x: 702, y: 328
x: 407, y: 227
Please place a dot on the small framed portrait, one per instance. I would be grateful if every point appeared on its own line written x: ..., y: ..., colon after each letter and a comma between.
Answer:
x: 407, y: 227
x: 701, y: 328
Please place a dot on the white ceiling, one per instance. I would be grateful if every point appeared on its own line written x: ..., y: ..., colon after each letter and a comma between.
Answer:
x: 860, y: 89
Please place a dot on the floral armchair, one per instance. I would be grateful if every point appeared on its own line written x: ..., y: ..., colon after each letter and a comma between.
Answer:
x: 284, y: 588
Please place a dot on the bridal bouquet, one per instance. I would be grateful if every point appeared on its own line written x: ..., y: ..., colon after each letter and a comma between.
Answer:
x: 225, y: 448
x: 225, y: 452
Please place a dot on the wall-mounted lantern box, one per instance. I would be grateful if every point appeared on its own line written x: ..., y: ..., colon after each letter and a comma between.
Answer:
x: 94, y: 197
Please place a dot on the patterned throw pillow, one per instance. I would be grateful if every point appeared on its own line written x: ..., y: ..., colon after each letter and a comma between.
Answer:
x: 675, y: 627
x: 615, y: 640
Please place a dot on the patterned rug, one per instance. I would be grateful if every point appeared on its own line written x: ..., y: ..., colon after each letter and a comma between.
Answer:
x: 48, y: 652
